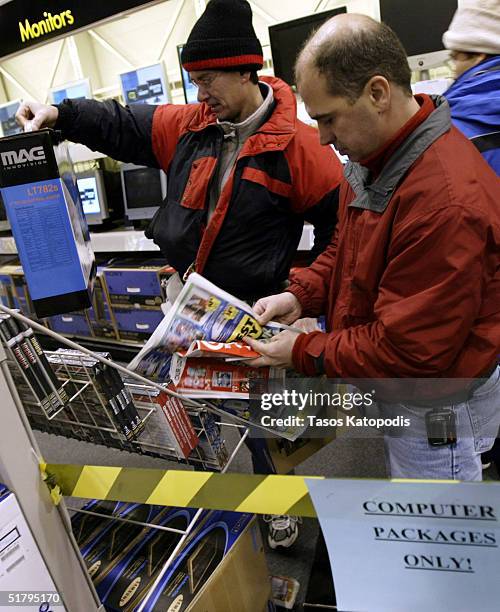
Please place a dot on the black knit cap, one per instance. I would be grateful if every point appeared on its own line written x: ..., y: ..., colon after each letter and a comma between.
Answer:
x: 223, y: 38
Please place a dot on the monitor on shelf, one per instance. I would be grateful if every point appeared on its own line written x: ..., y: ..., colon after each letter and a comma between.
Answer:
x: 8, y: 125
x: 420, y: 27
x: 77, y: 90
x: 144, y: 189
x: 287, y: 39
x: 147, y: 85
x: 93, y: 196
x: 190, y: 90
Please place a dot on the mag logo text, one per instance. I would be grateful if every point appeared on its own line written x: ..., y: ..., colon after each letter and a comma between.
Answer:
x: 23, y: 157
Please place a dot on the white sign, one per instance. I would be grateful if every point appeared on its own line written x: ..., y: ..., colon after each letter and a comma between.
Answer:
x: 408, y: 546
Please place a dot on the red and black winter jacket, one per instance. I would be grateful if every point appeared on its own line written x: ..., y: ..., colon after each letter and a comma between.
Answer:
x: 281, y: 178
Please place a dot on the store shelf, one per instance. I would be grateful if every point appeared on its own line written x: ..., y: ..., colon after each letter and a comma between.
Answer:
x: 124, y: 240
x: 135, y: 240
x: 7, y: 246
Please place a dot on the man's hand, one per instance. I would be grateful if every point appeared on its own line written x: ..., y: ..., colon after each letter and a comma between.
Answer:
x: 283, y: 308
x: 34, y: 116
x: 277, y: 352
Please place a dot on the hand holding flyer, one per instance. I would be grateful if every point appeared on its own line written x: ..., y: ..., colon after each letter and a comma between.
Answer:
x: 202, y: 311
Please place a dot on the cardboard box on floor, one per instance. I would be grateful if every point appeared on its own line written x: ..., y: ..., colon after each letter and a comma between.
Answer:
x: 241, y: 581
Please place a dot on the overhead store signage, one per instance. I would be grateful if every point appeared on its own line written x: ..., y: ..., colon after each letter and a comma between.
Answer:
x: 411, y: 545
x: 23, y: 25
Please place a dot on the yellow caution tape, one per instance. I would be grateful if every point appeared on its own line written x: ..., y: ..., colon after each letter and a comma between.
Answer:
x: 49, y: 479
x: 258, y: 494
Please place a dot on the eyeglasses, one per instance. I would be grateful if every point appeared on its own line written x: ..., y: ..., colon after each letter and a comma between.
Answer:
x: 205, y: 81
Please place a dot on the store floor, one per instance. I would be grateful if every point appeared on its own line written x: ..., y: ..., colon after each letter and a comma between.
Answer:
x: 345, y: 457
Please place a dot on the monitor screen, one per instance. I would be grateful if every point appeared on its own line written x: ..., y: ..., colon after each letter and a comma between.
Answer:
x: 419, y: 25
x: 288, y: 38
x: 8, y: 119
x: 143, y: 187
x: 78, y: 90
x: 89, y: 196
x: 146, y: 85
x: 190, y: 90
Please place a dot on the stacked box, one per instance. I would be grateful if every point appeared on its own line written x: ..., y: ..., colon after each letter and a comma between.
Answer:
x: 71, y: 324
x: 138, y: 324
x: 128, y: 579
x: 112, y: 539
x: 13, y: 289
x: 85, y: 527
x: 133, y: 282
x: 223, y: 567
x: 101, y: 316
x: 135, y: 290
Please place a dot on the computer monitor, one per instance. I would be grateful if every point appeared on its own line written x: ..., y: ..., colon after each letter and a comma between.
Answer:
x: 90, y: 185
x: 144, y: 189
x: 420, y: 27
x: 8, y: 125
x: 288, y: 38
x: 76, y: 90
x: 190, y: 90
x: 147, y: 85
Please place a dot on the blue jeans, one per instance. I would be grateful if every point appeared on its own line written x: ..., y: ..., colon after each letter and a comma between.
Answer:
x: 409, y: 455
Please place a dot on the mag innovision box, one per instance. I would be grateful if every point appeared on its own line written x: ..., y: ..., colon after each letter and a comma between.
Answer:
x: 46, y: 216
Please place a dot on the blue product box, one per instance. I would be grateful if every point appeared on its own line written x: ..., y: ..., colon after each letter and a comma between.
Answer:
x: 7, y: 297
x: 85, y: 527
x: 110, y: 543
x: 46, y: 216
x: 131, y: 577
x: 100, y: 311
x: 100, y: 315
x: 13, y: 288
x: 197, y: 561
x: 130, y: 282
x: 72, y: 324
x: 136, y: 323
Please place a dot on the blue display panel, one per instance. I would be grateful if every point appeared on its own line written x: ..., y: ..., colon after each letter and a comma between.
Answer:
x: 146, y: 85
x: 74, y: 91
x: 89, y: 195
x: 190, y: 90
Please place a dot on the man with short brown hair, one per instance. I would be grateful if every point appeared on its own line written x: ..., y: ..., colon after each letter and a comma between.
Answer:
x: 411, y: 283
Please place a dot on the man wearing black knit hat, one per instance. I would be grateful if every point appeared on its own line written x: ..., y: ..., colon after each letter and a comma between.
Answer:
x: 243, y: 172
